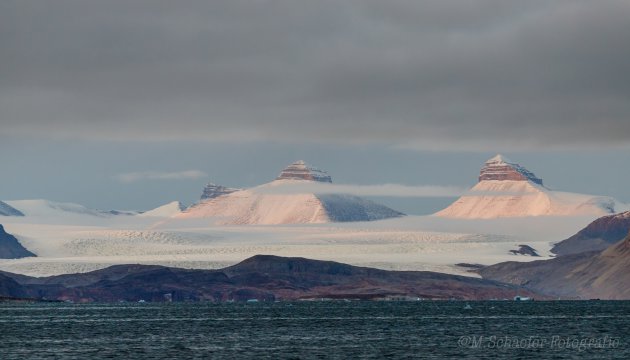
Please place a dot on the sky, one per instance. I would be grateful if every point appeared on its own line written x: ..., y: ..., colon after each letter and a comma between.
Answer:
x: 132, y: 104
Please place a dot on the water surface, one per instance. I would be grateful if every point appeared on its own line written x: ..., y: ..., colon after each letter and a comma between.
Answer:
x: 423, y: 329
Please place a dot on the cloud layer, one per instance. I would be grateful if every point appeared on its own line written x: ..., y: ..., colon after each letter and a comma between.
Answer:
x: 154, y: 175
x: 388, y: 190
x: 469, y: 75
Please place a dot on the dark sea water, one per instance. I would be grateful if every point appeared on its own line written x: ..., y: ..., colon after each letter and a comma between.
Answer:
x: 344, y: 330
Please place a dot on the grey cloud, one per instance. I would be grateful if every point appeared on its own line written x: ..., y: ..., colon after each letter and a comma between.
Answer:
x: 389, y: 190
x: 156, y: 175
x: 462, y: 75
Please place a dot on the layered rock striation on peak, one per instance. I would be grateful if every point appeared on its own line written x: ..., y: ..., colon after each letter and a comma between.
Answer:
x: 501, y: 168
x: 299, y: 170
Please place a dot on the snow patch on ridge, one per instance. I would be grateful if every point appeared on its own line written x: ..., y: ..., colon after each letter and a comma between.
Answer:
x: 167, y: 210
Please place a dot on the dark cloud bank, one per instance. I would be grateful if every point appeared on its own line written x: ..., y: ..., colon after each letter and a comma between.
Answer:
x: 461, y: 75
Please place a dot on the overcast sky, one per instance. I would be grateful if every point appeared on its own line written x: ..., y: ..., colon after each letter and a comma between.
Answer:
x: 133, y: 103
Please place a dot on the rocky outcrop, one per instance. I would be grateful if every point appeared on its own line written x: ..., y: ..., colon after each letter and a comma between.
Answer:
x: 587, y: 275
x: 10, y: 247
x: 598, y: 235
x: 525, y: 250
x: 8, y: 210
x: 212, y: 191
x: 262, y: 277
x: 299, y: 170
x: 501, y: 168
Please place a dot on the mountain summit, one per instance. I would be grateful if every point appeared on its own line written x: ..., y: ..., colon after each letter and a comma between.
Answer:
x: 300, y: 170
x: 502, y: 168
x: 507, y: 189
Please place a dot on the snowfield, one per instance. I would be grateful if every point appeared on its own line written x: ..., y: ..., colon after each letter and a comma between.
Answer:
x: 78, y: 242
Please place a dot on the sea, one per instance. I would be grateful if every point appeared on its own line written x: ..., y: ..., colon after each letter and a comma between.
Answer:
x: 317, y: 330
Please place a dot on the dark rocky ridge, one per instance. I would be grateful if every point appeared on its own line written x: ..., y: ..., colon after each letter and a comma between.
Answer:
x: 525, y: 250
x: 299, y: 170
x: 10, y: 247
x: 9, y: 288
x: 261, y: 277
x: 597, y: 235
x: 585, y: 275
x: 501, y: 168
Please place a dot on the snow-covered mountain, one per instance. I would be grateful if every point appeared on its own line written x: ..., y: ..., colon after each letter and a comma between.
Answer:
x: 277, y: 202
x: 46, y: 208
x: 167, y: 210
x: 506, y: 189
x: 8, y: 210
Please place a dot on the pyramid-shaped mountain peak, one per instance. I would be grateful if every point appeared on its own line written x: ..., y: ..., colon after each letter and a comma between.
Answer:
x: 501, y: 168
x: 300, y: 170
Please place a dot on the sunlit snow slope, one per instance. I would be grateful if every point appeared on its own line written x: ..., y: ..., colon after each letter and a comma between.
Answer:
x: 167, y: 210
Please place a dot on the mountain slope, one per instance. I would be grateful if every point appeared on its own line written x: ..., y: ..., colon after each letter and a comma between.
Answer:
x: 10, y: 247
x: 8, y: 210
x: 167, y: 210
x: 604, y: 275
x: 506, y: 189
x: 9, y: 288
x: 598, y: 235
x: 46, y: 208
x: 261, y: 277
